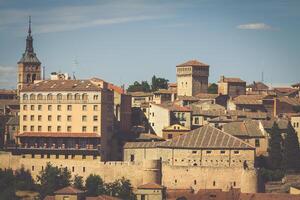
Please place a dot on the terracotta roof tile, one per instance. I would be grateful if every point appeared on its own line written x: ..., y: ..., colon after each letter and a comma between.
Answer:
x: 248, y: 128
x: 115, y: 88
x: 193, y: 63
x: 69, y: 190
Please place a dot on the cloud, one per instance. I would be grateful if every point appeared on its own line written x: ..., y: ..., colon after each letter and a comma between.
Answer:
x: 8, y: 78
x: 255, y: 26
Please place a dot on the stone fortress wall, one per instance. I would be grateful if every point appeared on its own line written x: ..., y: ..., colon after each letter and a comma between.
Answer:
x: 171, y: 176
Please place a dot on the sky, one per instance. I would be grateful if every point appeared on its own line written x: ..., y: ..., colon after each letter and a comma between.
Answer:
x: 122, y: 41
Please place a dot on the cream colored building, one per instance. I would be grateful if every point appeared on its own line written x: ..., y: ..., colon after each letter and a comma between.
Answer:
x: 192, y: 78
x: 295, y: 121
x: 66, y: 114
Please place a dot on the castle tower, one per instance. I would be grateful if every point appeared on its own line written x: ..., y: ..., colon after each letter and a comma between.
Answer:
x: 29, y: 66
x: 192, y: 78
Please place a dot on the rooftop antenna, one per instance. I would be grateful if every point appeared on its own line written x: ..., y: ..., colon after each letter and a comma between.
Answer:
x: 74, y: 78
x: 43, y: 72
x: 262, y: 76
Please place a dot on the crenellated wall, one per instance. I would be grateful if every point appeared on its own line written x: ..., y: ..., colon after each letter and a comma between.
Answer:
x: 171, y: 176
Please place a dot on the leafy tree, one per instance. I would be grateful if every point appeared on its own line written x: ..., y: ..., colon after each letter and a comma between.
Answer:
x: 275, y: 152
x: 121, y: 188
x: 271, y: 175
x: 145, y: 86
x: 291, y: 150
x: 52, y: 179
x: 94, y: 185
x: 24, y: 180
x: 7, y: 185
x: 213, y: 89
x: 159, y: 83
x: 139, y: 87
x: 78, y: 182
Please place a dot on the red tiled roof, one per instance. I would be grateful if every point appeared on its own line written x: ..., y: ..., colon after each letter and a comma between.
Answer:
x: 232, y: 80
x: 102, y: 197
x: 193, y: 63
x: 172, y: 84
x: 285, y: 89
x: 59, y: 134
x: 150, y: 186
x: 115, y: 88
x: 174, y: 107
x: 69, y: 190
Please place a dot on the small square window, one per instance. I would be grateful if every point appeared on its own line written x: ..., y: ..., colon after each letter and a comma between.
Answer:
x: 84, y: 129
x: 69, y: 129
x: 39, y: 107
x: 95, y: 128
x: 95, y: 107
x: 222, y: 152
x: 208, y: 152
x: 84, y: 107
x: 69, y: 118
x: 59, y: 118
x: 32, y: 107
x: 236, y: 152
x: 84, y: 118
x: 39, y: 117
x: 95, y: 118
x: 69, y: 107
x: 49, y: 107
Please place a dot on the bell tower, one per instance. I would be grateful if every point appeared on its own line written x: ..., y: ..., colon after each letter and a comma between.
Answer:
x: 29, y: 66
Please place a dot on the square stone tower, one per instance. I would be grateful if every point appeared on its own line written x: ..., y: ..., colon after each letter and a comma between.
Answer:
x: 192, y: 78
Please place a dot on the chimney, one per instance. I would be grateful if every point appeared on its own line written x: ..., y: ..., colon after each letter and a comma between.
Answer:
x: 222, y: 78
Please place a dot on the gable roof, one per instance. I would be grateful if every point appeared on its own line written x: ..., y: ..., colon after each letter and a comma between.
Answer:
x: 206, y: 137
x: 194, y: 63
x: 250, y: 128
x: 258, y: 86
x: 140, y: 145
x: 69, y: 190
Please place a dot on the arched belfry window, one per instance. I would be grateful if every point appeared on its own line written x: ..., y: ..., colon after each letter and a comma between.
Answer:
x: 77, y: 96
x: 59, y: 96
x: 49, y: 97
x: 84, y: 96
x: 32, y: 97
x: 25, y: 97
x: 40, y: 97
x: 69, y: 96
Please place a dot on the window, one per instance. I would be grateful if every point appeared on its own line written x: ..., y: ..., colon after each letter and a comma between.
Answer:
x: 152, y: 124
x: 208, y: 152
x: 257, y: 144
x: 49, y: 128
x: 195, y: 182
x: 58, y: 128
x: 95, y: 97
x: 59, y: 107
x: 84, y: 96
x: 84, y: 107
x: 132, y: 157
x: 196, y: 120
x: 25, y: 97
x: 214, y: 183
x: 39, y: 107
x: 49, y: 97
x: 95, y: 118
x: 234, y: 184
x: 83, y: 156
x: 59, y: 96
x: 170, y: 136
x: 194, y: 152
x: 94, y: 157
x: 24, y: 117
x: 77, y: 96
x: 31, y: 117
x: 24, y: 107
x: 40, y: 97
x: 69, y: 107
x: 84, y: 118
x: 236, y: 152
x: 39, y: 117
x: 32, y: 107
x: 32, y: 168
x: 56, y: 156
x: 95, y: 107
x: 39, y: 128
x: 66, y: 156
x: 32, y: 97
x: 222, y: 152
x: 49, y: 107
x: 83, y: 169
x: 31, y: 128
x: 72, y: 156
x: 69, y: 129
x: 73, y: 169
x: 49, y: 117
x: 69, y: 118
x: 48, y: 155
x: 84, y: 129
x: 24, y: 128
x: 95, y: 128
x: 69, y: 96
x: 59, y: 118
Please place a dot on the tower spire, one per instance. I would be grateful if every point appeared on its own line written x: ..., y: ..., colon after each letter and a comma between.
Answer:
x: 29, y: 27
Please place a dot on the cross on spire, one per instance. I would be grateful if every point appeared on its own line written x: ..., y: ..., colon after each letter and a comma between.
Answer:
x: 29, y: 28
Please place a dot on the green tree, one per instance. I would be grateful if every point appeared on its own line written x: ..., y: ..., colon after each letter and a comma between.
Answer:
x: 24, y: 180
x: 52, y: 179
x: 212, y: 89
x: 121, y: 188
x: 139, y: 87
x: 7, y: 185
x: 275, y: 150
x: 94, y: 185
x: 78, y: 182
x: 145, y: 86
x: 158, y: 83
x: 291, y: 150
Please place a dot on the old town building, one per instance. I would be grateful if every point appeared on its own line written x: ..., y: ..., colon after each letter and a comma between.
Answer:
x: 231, y: 86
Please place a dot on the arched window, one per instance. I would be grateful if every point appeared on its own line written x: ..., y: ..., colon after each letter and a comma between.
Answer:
x: 49, y: 97
x: 25, y: 97
x: 69, y: 96
x: 59, y: 96
x: 40, y: 97
x: 95, y: 97
x: 77, y: 96
x: 32, y: 97
x: 84, y: 96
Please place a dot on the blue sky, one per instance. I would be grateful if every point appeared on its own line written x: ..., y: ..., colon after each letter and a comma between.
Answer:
x: 125, y: 40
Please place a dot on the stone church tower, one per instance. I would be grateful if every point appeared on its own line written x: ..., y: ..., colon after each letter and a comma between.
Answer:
x: 29, y: 66
x: 192, y: 78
